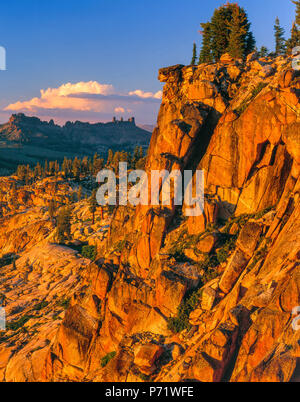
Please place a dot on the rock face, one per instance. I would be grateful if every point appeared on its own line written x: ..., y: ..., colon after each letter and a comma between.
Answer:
x: 206, y: 298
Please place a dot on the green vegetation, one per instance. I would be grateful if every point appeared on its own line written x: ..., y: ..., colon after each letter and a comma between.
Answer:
x: 227, y: 32
x: 64, y: 303
x: 194, y: 57
x: 181, y: 321
x: 144, y: 377
x: 280, y: 42
x: 63, y: 228
x: 52, y: 209
x: 15, y: 325
x: 93, y: 205
x: 120, y: 246
x: 241, y: 220
x: 41, y: 305
x: 253, y: 95
x: 106, y: 359
x: 80, y: 169
x: 260, y: 254
x: 89, y: 252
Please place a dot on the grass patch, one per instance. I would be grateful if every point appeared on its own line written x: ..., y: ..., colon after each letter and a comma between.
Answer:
x: 15, y: 325
x: 64, y: 303
x: 41, y: 305
x: 89, y: 252
x: 181, y: 321
x: 106, y: 359
x: 243, y: 106
x: 145, y: 377
x: 121, y: 245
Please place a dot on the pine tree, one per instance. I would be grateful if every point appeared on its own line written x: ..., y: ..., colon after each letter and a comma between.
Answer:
x: 135, y: 157
x: 65, y: 168
x: 238, y: 27
x: 52, y: 209
x: 76, y: 168
x: 279, y: 38
x: 46, y: 168
x: 297, y: 4
x: 250, y: 43
x: 206, y: 54
x: 93, y: 204
x: 228, y: 31
x: 13, y: 197
x: 21, y: 172
x: 79, y: 193
x: 38, y: 170
x: 97, y: 164
x: 263, y: 51
x: 141, y: 153
x: 194, y: 58
x: 110, y: 157
x: 63, y: 230
x: 294, y: 39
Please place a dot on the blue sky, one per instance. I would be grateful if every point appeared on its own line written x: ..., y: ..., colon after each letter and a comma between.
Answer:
x: 119, y: 44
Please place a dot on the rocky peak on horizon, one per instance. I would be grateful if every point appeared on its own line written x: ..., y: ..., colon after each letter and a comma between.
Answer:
x: 26, y: 129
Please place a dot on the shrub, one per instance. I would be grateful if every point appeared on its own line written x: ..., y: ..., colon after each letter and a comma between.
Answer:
x: 106, y: 359
x: 41, y: 305
x: 229, y: 243
x: 181, y: 321
x: 15, y: 325
x: 145, y: 377
x: 89, y: 252
x: 65, y: 303
x: 243, y: 106
x: 258, y: 89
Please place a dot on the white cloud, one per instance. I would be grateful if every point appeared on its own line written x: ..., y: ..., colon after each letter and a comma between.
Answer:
x: 88, y: 97
x: 119, y: 110
x: 146, y: 95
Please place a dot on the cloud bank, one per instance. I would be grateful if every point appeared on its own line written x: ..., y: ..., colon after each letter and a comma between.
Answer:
x: 90, y: 101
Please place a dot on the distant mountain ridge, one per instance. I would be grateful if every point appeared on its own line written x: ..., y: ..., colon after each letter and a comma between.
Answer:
x: 25, y: 129
x: 27, y: 140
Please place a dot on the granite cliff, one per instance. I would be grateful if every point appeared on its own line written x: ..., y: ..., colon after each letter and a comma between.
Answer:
x: 171, y: 298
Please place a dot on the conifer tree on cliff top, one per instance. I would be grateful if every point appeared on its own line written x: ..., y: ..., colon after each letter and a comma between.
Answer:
x: 227, y: 32
x: 295, y: 32
x: 194, y: 58
x: 205, y: 54
x: 297, y: 4
x: 279, y: 38
x: 238, y: 27
x: 294, y: 39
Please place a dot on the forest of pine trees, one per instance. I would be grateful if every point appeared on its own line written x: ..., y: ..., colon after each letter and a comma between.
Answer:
x: 78, y: 169
x: 228, y: 31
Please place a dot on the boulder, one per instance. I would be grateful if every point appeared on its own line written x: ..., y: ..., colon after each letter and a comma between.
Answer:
x: 226, y: 58
x: 235, y: 267
x: 208, y: 298
x: 145, y: 357
x: 207, y: 244
x: 249, y: 237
